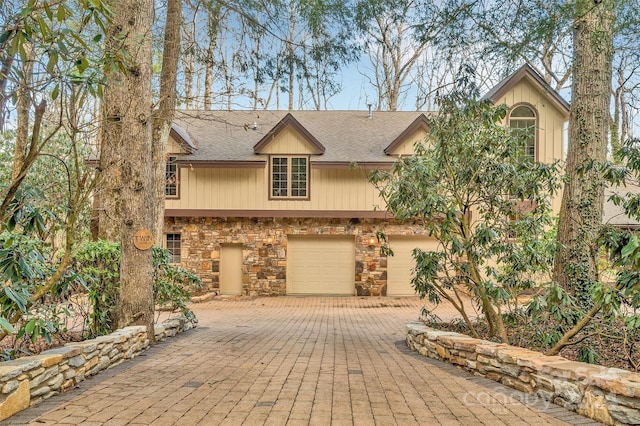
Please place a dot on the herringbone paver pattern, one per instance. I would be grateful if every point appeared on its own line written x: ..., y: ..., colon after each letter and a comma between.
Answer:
x: 294, y: 361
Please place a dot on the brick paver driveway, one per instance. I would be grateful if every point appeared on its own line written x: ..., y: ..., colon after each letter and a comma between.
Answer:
x: 295, y: 361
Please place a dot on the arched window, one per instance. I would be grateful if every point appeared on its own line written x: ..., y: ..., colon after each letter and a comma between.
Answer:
x: 523, y: 118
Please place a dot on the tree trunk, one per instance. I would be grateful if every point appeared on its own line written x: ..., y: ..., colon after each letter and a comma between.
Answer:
x: 208, y: 77
x: 291, y: 51
x: 164, y: 115
x: 127, y: 131
x: 7, y: 63
x: 256, y: 72
x: 615, y: 123
x: 582, y: 200
x: 197, y: 104
x: 23, y: 109
x: 188, y: 60
x: 618, y: 126
x: 27, y: 161
x: 274, y: 88
x: 213, y: 24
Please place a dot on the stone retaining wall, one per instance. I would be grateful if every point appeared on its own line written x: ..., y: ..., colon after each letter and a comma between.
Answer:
x: 609, y: 395
x: 26, y: 381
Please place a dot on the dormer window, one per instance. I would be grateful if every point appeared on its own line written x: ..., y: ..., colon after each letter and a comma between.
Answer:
x: 524, y: 120
x: 289, y: 177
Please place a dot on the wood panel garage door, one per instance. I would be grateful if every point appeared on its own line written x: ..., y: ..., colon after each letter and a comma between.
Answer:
x: 400, y: 266
x: 320, y: 265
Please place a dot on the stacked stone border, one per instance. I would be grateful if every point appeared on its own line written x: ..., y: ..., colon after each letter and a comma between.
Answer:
x: 27, y: 381
x: 608, y: 395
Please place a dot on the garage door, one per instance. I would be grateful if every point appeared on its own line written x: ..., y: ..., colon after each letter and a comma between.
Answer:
x: 320, y: 265
x: 400, y: 266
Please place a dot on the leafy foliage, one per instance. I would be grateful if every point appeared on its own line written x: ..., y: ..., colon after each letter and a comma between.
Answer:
x: 623, y: 245
x: 97, y: 266
x: 24, y: 267
x: 98, y: 263
x: 65, y: 35
x: 172, y: 283
x: 564, y: 318
x: 482, y: 199
x: 52, y: 60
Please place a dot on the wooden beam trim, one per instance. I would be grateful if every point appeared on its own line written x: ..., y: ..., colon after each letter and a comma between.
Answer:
x: 184, y: 163
x: 349, y: 164
x: 279, y: 213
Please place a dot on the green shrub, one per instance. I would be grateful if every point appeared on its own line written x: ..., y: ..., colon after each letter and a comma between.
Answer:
x: 97, y: 264
x: 172, y: 283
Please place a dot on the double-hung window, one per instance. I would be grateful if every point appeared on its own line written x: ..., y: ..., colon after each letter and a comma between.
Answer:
x: 289, y: 177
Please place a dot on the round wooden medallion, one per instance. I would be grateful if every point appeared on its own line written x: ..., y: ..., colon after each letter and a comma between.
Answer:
x: 143, y: 239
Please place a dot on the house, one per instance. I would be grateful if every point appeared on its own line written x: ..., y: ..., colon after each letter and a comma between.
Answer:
x: 615, y: 215
x: 268, y: 202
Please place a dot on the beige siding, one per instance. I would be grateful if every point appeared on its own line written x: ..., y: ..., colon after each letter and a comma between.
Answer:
x: 551, y: 125
x: 173, y: 147
x: 406, y: 148
x: 550, y: 120
x: 289, y: 141
x: 340, y: 188
x: 248, y: 189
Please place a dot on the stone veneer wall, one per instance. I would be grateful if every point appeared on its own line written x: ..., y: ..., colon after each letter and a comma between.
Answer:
x: 26, y: 381
x: 608, y: 395
x: 264, y: 248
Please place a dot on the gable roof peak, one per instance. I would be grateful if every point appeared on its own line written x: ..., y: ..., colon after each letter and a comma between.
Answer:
x: 420, y: 122
x: 288, y: 120
x: 183, y: 138
x: 526, y: 72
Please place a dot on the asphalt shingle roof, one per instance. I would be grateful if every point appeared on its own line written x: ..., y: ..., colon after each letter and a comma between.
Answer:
x: 346, y: 135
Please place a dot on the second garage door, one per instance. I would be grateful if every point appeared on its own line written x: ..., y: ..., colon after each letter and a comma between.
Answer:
x: 320, y: 265
x: 400, y: 266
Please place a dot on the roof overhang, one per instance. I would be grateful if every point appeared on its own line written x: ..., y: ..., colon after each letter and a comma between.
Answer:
x: 183, y: 138
x: 526, y: 72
